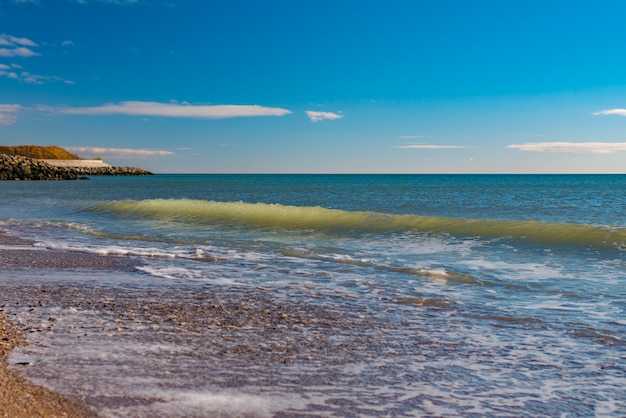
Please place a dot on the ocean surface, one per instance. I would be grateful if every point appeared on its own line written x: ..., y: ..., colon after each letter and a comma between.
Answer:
x: 452, y: 295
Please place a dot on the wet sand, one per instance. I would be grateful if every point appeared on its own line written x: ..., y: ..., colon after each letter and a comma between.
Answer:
x: 219, y: 341
x: 230, y: 331
x: 19, y: 397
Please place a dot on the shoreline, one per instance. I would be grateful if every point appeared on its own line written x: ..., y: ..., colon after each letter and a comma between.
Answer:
x: 91, y: 343
x: 19, y: 397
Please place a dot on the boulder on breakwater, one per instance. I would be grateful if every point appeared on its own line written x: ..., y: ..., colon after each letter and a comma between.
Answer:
x: 16, y: 167
x: 109, y: 171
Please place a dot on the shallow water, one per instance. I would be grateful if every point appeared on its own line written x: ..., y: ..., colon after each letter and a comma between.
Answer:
x: 422, y: 295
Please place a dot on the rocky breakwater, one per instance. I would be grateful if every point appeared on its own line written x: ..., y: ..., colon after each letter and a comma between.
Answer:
x: 16, y: 167
x: 109, y: 171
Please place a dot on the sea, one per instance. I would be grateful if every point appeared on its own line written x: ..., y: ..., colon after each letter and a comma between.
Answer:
x: 440, y: 295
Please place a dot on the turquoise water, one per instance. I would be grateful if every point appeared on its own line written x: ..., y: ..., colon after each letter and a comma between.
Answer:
x: 516, y: 285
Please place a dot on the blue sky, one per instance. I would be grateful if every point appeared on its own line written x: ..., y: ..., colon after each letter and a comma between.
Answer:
x: 319, y: 87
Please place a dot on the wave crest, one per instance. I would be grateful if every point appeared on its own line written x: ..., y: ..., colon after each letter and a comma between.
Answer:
x: 278, y: 216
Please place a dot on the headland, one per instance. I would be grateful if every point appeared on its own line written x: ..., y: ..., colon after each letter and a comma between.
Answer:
x: 32, y: 162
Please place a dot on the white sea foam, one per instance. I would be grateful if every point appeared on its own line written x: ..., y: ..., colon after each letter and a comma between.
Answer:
x: 523, y: 327
x: 450, y: 369
x: 170, y: 272
x: 209, y: 403
x: 520, y: 270
x: 20, y: 247
x: 115, y: 250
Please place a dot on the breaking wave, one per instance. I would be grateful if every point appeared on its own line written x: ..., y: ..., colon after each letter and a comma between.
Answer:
x: 276, y: 216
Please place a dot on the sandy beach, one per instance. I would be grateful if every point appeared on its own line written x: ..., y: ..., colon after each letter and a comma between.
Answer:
x: 19, y: 397
x: 230, y: 332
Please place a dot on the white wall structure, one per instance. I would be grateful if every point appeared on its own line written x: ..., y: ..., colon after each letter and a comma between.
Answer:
x: 77, y: 163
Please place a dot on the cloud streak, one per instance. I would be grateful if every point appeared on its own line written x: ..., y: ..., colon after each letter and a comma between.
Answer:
x: 17, y: 52
x: 12, y: 46
x: 8, y: 40
x: 8, y: 71
x: 29, y: 78
x: 572, y: 147
x: 8, y: 113
x: 118, y: 152
x: 620, y: 112
x: 175, y: 110
x: 315, y: 116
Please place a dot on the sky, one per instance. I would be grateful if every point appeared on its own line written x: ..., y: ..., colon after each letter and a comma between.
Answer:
x: 342, y: 86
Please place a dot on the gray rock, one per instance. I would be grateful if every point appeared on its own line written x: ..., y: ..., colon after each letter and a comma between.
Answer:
x: 15, y: 167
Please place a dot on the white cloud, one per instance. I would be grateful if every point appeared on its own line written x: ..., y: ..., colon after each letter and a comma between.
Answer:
x: 13, y: 46
x: 16, y: 47
x: 430, y: 146
x: 118, y: 152
x: 9, y: 74
x: 318, y: 116
x: 572, y: 147
x: 8, y: 113
x: 8, y: 40
x: 29, y: 78
x: 17, y: 52
x: 621, y: 112
x: 175, y: 110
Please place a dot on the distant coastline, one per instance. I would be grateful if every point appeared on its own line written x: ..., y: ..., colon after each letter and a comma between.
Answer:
x: 32, y: 162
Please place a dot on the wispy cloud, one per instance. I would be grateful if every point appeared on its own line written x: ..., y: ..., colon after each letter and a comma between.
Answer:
x: 118, y: 152
x: 29, y: 78
x: 17, y: 52
x: 12, y: 46
x: 430, y: 146
x: 572, y: 147
x: 621, y: 112
x: 9, y: 71
x: 8, y: 113
x: 8, y: 40
x: 318, y: 116
x: 176, y: 110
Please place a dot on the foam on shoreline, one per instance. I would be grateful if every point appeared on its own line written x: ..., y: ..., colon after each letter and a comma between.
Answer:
x: 132, y: 342
x: 19, y: 396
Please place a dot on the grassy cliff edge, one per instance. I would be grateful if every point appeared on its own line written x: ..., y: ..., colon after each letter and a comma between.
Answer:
x: 50, y: 152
